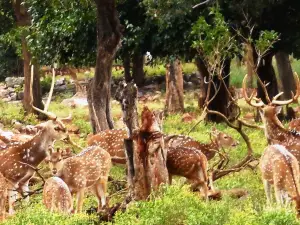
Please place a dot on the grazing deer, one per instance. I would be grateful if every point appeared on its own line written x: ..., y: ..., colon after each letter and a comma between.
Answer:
x: 3, y: 196
x: 281, y: 169
x: 88, y: 169
x: 218, y: 140
x: 190, y: 163
x: 57, y: 196
x: 275, y: 132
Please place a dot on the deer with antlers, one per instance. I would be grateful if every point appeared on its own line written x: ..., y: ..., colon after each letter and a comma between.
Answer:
x: 57, y: 196
x: 281, y: 169
x: 88, y: 169
x: 275, y: 132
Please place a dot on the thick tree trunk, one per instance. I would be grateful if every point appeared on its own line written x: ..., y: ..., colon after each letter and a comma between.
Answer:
x: 138, y: 73
x: 23, y: 19
x: 221, y: 102
x: 267, y: 75
x: 203, y: 87
x: 99, y: 91
x: 126, y: 65
x: 174, y: 87
x: 285, y: 74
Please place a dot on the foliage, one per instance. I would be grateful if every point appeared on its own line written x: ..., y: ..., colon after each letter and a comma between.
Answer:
x: 213, y: 41
x: 63, y: 32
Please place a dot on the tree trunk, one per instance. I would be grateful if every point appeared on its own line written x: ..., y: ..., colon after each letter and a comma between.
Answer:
x: 221, y: 102
x: 174, y: 87
x: 203, y: 87
x: 267, y: 75
x: 285, y: 74
x: 99, y: 90
x: 138, y: 73
x: 23, y: 19
x: 126, y: 65
x: 249, y: 64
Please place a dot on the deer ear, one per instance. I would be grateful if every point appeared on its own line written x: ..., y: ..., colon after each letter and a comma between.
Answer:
x: 278, y: 109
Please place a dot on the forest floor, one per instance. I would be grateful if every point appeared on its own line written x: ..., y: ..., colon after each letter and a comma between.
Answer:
x: 172, y: 204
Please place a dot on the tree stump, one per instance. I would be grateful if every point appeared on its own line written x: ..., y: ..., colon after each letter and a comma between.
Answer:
x: 174, y: 87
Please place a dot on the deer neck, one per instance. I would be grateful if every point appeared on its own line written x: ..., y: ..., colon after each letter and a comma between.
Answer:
x: 274, y: 129
x: 35, y: 149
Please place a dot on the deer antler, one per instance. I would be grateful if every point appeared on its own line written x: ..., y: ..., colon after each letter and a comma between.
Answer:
x: 294, y: 97
x: 258, y: 102
x: 51, y: 115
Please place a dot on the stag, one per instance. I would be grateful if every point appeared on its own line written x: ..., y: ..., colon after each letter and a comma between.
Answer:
x: 88, y: 169
x: 275, y: 132
x: 57, y: 196
x: 280, y: 168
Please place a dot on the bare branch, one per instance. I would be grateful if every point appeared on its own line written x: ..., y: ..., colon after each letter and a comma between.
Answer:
x: 202, y: 3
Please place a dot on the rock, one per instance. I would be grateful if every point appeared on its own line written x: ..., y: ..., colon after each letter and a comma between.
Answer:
x: 75, y: 102
x: 8, y: 99
x: 188, y: 85
x: 61, y: 88
x: 195, y: 78
x: 60, y: 82
x: 13, y: 96
x: 4, y: 93
x: 10, y: 90
x: 12, y: 81
x: 20, y: 95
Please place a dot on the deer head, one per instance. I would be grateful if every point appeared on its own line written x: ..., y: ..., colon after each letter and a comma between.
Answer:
x: 55, y: 159
x: 222, y: 139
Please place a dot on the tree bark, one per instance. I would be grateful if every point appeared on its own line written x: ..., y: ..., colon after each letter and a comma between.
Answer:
x: 138, y: 73
x: 126, y: 65
x: 249, y: 64
x: 174, y: 87
x: 23, y: 19
x: 267, y: 75
x: 108, y: 39
x: 285, y: 74
x: 221, y: 102
x: 203, y: 87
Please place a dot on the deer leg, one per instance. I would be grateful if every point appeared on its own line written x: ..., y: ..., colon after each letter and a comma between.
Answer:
x: 25, y: 190
x: 278, y: 195
x: 267, y: 187
x: 12, y: 197
x: 101, y: 188
x: 80, y: 197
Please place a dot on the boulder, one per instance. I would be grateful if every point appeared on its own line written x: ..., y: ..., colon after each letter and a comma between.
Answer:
x: 13, y: 81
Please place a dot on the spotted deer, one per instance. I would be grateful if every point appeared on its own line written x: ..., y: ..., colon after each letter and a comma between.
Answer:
x: 280, y: 169
x: 218, y: 140
x: 190, y: 163
x: 275, y: 132
x: 18, y: 162
x: 9, y: 138
x: 57, y: 196
x: 3, y: 196
x: 88, y: 169
x: 113, y: 142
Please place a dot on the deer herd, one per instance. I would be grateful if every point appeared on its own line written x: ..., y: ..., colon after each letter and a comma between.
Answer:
x: 74, y: 174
